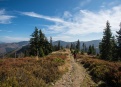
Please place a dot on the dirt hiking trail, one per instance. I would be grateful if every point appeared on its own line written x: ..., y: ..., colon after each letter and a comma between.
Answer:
x: 76, y: 76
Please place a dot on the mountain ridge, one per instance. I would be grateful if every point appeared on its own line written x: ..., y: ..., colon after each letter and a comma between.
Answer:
x: 92, y: 42
x: 9, y: 47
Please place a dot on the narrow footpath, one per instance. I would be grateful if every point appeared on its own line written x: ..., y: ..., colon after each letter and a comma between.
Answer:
x: 76, y: 76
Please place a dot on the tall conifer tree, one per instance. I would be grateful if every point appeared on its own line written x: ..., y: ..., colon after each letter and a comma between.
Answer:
x: 34, y: 42
x: 51, y: 44
x: 83, y: 45
x: 41, y: 43
x: 93, y: 50
x: 59, y: 47
x: 89, y: 50
x: 78, y: 46
x: 105, y: 45
x: 114, y: 49
x: 119, y: 43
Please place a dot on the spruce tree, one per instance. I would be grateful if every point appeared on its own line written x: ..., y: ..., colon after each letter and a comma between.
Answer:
x: 74, y: 46
x: 82, y: 50
x: 90, y: 50
x: 105, y: 45
x: 78, y: 46
x: 34, y: 42
x: 51, y: 44
x: 41, y: 43
x: 71, y: 47
x: 59, y: 47
x: 114, y: 49
x: 47, y: 47
x: 119, y: 43
x: 85, y: 48
x: 83, y: 45
x: 41, y: 39
x: 41, y: 53
x: 93, y: 50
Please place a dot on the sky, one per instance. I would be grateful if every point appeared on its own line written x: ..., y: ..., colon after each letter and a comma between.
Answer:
x: 67, y: 20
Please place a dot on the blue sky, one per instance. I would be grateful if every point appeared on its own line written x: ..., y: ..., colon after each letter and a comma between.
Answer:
x: 67, y: 20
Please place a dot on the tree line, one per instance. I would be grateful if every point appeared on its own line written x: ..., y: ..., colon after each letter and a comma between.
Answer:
x: 39, y: 44
x: 110, y: 48
x: 77, y: 48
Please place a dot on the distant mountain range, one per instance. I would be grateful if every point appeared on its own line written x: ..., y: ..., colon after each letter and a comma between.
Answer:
x: 93, y: 42
x: 10, y: 47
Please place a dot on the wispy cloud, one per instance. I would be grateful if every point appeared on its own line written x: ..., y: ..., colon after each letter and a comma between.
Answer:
x: 4, y: 18
x: 84, y: 2
x: 87, y: 22
x: 82, y: 23
x: 5, y: 31
x: 106, y: 4
x: 33, y: 14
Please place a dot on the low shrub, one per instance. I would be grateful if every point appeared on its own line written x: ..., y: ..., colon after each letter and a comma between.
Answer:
x: 60, y: 61
x: 109, y: 72
x: 29, y: 72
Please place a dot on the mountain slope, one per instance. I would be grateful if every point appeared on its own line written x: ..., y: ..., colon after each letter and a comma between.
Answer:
x: 11, y: 48
x: 8, y: 47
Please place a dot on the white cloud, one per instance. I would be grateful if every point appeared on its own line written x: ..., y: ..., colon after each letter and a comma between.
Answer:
x: 12, y: 39
x: 33, y: 14
x: 112, y: 3
x: 87, y: 22
x: 82, y: 23
x: 67, y: 14
x: 4, y: 18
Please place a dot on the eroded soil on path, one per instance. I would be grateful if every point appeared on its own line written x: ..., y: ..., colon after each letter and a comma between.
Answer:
x: 76, y: 76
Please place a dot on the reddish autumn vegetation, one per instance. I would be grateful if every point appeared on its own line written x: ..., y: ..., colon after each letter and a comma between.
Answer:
x: 29, y: 72
x: 108, y: 72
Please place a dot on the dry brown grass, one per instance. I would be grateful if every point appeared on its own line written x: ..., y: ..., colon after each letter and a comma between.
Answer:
x: 109, y: 72
x: 65, y: 66
x: 30, y: 72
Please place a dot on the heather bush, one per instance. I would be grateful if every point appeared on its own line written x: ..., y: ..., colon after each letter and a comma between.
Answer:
x: 29, y: 72
x: 109, y: 72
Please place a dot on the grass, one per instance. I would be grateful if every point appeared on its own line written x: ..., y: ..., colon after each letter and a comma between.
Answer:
x: 108, y: 72
x: 29, y: 72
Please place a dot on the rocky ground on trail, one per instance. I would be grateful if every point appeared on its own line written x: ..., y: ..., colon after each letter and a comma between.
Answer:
x: 76, y: 76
